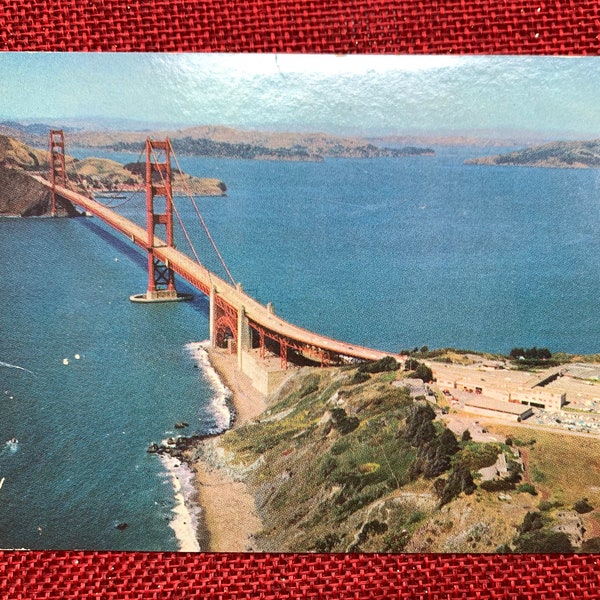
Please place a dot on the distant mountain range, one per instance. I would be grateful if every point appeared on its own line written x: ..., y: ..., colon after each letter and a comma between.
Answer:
x: 222, y: 142
x: 579, y: 155
x: 36, y: 130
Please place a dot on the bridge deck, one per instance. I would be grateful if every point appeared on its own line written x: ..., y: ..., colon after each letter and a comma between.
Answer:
x: 200, y: 277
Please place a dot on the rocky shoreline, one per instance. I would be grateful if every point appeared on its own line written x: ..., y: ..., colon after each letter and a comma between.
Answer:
x: 227, y: 520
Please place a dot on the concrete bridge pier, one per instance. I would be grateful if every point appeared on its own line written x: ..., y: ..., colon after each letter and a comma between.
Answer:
x: 211, y: 316
x: 243, y: 337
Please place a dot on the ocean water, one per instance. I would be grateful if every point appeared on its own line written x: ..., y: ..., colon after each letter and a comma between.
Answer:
x: 79, y: 466
x: 398, y: 253
x: 391, y: 253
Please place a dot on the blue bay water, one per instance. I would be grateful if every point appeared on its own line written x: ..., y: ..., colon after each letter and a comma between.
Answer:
x: 80, y: 466
x: 391, y: 253
x: 397, y: 253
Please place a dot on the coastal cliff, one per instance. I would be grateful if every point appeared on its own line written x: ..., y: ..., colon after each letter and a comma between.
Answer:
x: 21, y: 195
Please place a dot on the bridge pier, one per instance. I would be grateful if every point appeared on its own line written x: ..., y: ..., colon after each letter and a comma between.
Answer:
x: 243, y: 337
x: 161, y: 279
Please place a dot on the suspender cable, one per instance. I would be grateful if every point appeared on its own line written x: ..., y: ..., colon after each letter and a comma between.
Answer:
x: 214, y: 245
x: 210, y: 238
x: 179, y: 219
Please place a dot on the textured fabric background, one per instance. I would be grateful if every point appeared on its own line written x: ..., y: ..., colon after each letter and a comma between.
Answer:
x: 422, y: 26
x: 342, y: 26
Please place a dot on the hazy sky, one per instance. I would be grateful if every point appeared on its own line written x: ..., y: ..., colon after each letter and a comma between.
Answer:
x: 369, y: 94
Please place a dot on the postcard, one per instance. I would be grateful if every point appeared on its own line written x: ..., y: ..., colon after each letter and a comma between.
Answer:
x: 297, y: 303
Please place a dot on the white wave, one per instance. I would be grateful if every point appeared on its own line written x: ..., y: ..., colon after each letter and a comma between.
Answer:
x: 10, y: 447
x: 9, y: 366
x: 221, y: 400
x: 185, y: 520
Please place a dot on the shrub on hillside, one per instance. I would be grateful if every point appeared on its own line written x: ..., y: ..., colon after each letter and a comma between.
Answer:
x: 359, y: 377
x: 497, y: 485
x: 532, y: 521
x: 387, y: 363
x: 423, y: 372
x: 308, y: 388
x: 544, y: 542
x: 591, y: 545
x: 583, y: 506
x: 546, y: 505
x: 326, y: 543
x: 531, y: 353
x: 460, y: 480
x: 342, y: 422
x: 527, y: 488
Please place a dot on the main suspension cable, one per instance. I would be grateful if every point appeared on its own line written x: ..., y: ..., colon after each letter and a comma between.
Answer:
x: 191, y: 196
x: 179, y: 219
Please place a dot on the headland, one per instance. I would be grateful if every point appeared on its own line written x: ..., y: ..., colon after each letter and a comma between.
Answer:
x: 347, y: 459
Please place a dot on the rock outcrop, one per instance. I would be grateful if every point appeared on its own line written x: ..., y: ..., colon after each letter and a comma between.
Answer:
x: 21, y: 195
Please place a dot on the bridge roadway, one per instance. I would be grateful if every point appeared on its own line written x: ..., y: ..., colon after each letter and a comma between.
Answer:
x: 204, y: 280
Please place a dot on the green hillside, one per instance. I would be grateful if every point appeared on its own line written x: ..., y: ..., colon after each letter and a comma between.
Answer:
x: 579, y: 155
x: 344, y: 460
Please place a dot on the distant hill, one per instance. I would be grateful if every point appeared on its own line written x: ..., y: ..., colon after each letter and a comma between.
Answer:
x: 225, y: 142
x: 573, y: 155
x: 22, y: 195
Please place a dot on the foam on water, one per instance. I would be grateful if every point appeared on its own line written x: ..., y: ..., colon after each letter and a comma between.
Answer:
x: 10, y: 447
x: 186, y: 511
x: 221, y: 401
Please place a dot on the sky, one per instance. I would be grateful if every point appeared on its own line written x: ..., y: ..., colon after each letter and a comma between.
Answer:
x: 372, y: 95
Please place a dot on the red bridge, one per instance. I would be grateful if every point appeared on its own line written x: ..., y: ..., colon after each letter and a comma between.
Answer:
x: 237, y: 322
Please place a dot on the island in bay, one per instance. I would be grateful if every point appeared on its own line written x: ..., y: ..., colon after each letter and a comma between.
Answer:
x: 560, y: 154
x: 227, y: 142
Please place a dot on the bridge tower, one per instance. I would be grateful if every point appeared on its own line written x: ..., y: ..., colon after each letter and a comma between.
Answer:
x: 58, y: 171
x: 159, y: 197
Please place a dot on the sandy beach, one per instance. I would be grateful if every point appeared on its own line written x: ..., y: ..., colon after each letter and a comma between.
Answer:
x: 229, y: 514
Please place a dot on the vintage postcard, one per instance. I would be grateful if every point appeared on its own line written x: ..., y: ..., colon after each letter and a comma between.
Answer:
x: 299, y: 303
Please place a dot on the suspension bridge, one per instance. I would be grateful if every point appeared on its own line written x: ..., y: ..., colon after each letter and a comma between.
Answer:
x: 237, y: 321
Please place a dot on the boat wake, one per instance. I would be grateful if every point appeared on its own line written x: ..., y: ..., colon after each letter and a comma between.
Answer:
x: 9, y: 366
x: 10, y: 447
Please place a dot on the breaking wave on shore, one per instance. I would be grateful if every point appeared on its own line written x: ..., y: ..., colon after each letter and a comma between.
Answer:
x: 221, y: 403
x: 187, y: 513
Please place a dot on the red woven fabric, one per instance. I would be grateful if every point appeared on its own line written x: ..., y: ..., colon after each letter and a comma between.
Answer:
x: 420, y: 26
x: 128, y: 576
x: 342, y: 26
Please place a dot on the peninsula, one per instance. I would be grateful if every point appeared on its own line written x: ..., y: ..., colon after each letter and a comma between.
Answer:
x: 371, y: 458
x: 227, y: 142
x: 569, y: 155
x: 21, y: 195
